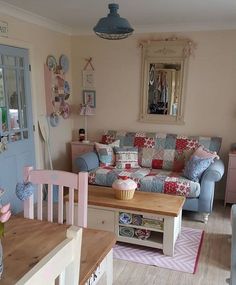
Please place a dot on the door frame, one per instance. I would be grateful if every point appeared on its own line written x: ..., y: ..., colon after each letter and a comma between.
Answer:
x: 22, y: 44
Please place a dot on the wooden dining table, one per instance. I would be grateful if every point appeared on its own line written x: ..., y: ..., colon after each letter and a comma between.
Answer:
x: 27, y: 241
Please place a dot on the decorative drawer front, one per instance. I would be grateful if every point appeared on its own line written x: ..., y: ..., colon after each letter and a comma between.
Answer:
x: 232, y: 162
x: 101, y: 219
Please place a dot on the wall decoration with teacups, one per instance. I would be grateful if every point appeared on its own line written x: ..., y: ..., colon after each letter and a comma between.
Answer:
x: 57, y: 89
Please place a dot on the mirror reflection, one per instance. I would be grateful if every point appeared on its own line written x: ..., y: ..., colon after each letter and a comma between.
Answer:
x: 164, y: 68
x: 162, y: 89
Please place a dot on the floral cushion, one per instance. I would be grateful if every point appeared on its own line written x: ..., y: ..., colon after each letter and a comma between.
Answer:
x: 205, y: 153
x: 126, y: 158
x: 196, y: 166
x: 105, y: 153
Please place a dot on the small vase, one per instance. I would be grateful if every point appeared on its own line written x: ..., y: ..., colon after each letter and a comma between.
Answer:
x: 1, y: 260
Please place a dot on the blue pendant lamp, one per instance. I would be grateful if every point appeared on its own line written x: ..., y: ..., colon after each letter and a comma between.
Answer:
x: 113, y: 27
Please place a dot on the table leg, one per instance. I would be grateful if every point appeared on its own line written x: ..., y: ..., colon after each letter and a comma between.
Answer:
x: 104, y: 272
x: 168, y: 237
x: 172, y: 228
x: 109, y: 268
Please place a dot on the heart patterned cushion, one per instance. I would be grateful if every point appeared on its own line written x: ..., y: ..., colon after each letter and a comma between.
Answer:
x: 24, y: 190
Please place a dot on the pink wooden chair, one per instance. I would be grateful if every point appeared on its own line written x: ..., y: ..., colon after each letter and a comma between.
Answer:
x: 62, y: 179
x: 61, y: 265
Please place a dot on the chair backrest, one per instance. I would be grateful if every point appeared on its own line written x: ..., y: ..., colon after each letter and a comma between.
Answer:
x: 62, y: 179
x: 62, y: 263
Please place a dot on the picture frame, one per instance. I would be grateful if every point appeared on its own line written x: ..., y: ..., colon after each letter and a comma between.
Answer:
x: 88, y: 79
x: 89, y: 98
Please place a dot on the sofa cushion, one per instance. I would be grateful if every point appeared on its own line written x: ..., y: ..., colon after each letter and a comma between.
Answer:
x: 205, y: 153
x: 105, y: 153
x: 196, y: 166
x: 126, y: 158
x: 106, y: 175
x: 169, y: 153
x: 169, y: 182
x: 155, y: 180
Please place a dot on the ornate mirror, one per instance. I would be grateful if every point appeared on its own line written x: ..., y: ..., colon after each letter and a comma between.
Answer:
x: 164, y: 68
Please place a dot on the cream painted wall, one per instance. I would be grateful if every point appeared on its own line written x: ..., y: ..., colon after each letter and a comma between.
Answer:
x: 211, y: 92
x: 41, y: 42
x: 210, y: 104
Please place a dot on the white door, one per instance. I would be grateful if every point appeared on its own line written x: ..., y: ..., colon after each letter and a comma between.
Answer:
x: 16, y: 124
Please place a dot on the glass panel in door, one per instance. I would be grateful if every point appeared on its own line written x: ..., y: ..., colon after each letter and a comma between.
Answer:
x: 3, y: 107
x: 23, y: 106
x: 12, y: 95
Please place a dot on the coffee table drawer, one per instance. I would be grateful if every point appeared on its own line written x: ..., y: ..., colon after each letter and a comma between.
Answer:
x: 101, y: 219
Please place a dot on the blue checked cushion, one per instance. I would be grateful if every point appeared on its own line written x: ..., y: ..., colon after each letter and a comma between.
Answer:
x: 126, y: 157
x: 105, y: 153
x: 196, y: 166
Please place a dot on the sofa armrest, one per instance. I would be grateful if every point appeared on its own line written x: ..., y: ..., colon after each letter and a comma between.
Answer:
x: 87, y: 161
x: 214, y: 172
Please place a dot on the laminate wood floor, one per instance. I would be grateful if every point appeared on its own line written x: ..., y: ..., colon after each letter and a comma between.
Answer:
x: 214, y: 262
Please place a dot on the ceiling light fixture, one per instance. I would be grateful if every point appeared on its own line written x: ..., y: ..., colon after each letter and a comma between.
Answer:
x: 113, y: 27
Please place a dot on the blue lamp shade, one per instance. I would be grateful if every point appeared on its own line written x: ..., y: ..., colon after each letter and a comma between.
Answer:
x: 113, y: 27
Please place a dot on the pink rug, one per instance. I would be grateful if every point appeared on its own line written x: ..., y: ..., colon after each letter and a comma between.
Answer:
x: 185, y: 259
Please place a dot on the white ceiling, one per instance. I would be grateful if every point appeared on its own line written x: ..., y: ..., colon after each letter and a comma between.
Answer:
x: 80, y: 16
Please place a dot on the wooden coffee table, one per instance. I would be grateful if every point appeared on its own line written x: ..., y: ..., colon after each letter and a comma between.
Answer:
x: 160, y: 213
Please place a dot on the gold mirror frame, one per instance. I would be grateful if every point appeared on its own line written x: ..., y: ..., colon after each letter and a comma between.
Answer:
x: 162, y: 54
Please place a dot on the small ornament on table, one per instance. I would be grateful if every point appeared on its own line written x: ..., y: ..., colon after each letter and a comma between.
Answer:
x: 81, y: 135
x: 124, y: 188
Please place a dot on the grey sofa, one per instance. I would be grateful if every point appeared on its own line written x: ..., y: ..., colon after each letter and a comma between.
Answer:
x: 200, y: 196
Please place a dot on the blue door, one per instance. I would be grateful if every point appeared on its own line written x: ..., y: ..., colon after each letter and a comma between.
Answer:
x: 16, y: 123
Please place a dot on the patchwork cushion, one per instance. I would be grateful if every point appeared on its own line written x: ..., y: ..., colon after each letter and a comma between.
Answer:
x: 126, y: 158
x: 196, y: 166
x: 105, y: 153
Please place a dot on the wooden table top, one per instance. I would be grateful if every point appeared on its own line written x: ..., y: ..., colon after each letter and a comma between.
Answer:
x: 27, y: 241
x: 155, y: 203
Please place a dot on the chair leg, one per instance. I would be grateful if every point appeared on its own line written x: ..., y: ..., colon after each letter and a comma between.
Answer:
x: 205, y: 217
